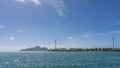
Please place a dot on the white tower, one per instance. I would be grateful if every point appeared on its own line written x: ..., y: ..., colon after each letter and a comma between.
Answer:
x: 113, y: 40
x: 55, y: 43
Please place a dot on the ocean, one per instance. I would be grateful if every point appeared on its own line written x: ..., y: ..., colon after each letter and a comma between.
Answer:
x: 59, y: 60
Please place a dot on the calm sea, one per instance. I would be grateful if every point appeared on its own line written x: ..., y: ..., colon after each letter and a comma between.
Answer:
x: 59, y: 60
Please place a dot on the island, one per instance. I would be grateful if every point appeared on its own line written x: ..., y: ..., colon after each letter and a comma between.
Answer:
x: 37, y: 48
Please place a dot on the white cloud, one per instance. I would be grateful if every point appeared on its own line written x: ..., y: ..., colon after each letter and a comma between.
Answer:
x: 58, y: 5
x: 22, y: 1
x: 37, y: 2
x: 115, y: 31
x: 70, y: 38
x: 102, y: 34
x: 86, y: 35
x: 34, y: 28
x: 92, y: 34
x: 20, y: 30
x: 60, y: 12
x: 118, y: 23
x: 10, y: 38
x: 11, y: 48
x: 1, y: 27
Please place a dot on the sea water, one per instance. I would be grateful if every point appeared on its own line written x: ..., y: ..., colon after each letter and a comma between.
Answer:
x: 59, y: 60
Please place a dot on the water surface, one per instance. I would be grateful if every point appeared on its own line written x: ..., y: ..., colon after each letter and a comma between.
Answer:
x: 59, y: 59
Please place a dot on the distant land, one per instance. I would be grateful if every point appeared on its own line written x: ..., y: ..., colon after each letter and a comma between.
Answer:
x: 87, y: 49
x: 37, y: 48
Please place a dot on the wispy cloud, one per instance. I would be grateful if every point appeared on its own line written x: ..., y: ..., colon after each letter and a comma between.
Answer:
x: 102, y: 34
x: 20, y: 30
x: 10, y: 38
x: 58, y: 5
x: 118, y: 23
x: 8, y: 48
x: 91, y: 34
x: 70, y: 38
x: 115, y: 31
x: 22, y: 1
x: 87, y: 35
x: 36, y: 2
x: 1, y: 27
x: 34, y: 28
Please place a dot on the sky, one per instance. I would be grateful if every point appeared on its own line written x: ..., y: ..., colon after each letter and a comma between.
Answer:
x: 75, y: 23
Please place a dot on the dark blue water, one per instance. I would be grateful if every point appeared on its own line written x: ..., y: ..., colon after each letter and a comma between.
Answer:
x: 59, y: 60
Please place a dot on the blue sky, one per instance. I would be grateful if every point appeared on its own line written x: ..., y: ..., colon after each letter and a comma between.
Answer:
x: 75, y: 23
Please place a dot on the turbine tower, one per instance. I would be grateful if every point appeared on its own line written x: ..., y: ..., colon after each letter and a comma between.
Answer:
x: 113, y: 40
x: 55, y: 43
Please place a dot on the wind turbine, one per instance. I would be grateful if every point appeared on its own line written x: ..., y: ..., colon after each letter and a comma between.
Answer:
x: 113, y: 40
x: 55, y: 43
